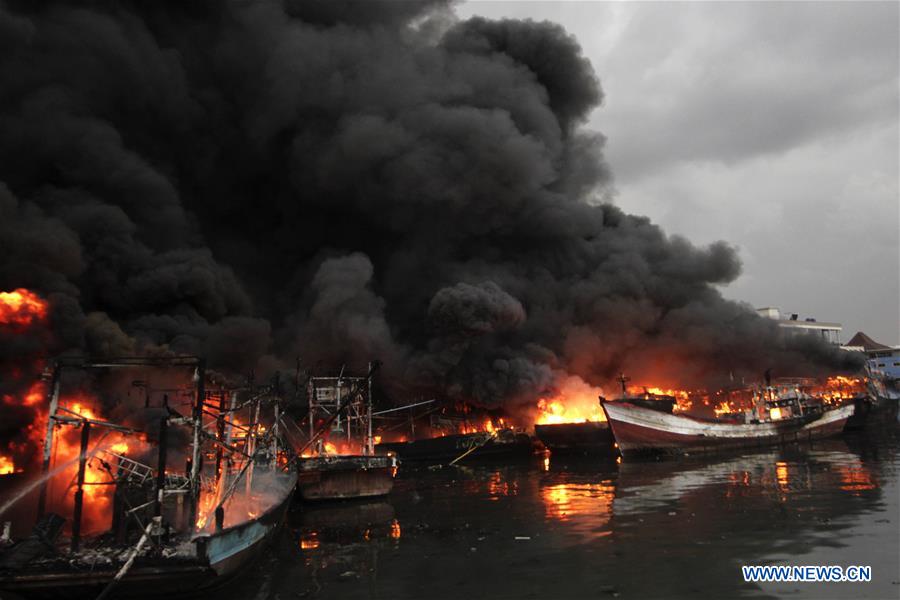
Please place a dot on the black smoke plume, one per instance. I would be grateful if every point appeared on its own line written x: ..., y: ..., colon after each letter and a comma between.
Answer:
x: 342, y: 181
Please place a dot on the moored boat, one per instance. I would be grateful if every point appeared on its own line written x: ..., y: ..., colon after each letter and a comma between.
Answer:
x: 340, y: 409
x: 181, y: 567
x: 340, y: 477
x: 641, y: 430
x: 588, y: 437
x: 161, y: 532
x: 505, y: 443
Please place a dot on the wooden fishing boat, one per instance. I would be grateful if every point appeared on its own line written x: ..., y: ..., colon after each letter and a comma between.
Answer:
x: 596, y: 437
x: 182, y: 567
x: 341, y: 477
x: 642, y: 429
x: 505, y: 444
x: 342, y: 408
x: 589, y: 437
x: 166, y: 533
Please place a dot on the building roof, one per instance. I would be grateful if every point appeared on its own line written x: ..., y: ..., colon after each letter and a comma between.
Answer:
x: 867, y: 343
x: 808, y: 324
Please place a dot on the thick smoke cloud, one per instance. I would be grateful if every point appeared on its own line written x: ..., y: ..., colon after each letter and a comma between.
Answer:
x: 344, y: 181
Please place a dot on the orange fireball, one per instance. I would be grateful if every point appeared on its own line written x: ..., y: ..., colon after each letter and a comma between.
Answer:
x: 21, y: 308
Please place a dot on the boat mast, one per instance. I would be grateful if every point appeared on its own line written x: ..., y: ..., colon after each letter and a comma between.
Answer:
x: 370, y: 442
x: 195, y: 449
x: 623, y: 380
x: 79, y: 490
x: 48, y: 440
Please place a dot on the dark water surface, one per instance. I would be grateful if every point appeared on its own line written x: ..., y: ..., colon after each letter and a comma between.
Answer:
x: 589, y: 529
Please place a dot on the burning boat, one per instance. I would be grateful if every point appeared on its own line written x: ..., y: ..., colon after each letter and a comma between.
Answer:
x: 168, y: 531
x: 340, y: 477
x: 457, y: 432
x: 483, y: 445
x: 779, y: 415
x: 338, y: 462
x: 574, y: 422
x: 587, y: 437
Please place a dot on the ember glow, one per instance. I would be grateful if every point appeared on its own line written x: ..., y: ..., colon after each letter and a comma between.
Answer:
x: 21, y: 308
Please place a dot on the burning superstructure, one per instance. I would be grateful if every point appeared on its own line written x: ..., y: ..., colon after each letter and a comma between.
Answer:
x: 147, y: 471
x: 338, y: 458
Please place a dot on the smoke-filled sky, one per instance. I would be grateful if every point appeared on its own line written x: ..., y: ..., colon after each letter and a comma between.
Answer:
x: 342, y: 181
x: 773, y: 125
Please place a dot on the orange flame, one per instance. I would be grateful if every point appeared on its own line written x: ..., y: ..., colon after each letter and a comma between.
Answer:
x: 7, y: 465
x: 98, y: 495
x: 575, y: 402
x: 21, y: 308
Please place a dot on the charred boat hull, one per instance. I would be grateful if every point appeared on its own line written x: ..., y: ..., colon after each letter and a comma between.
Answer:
x: 639, y: 430
x: 449, y: 447
x: 591, y: 437
x: 200, y: 564
x: 345, y: 477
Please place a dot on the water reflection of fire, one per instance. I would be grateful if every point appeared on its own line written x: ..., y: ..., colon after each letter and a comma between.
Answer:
x: 395, y: 530
x: 309, y: 541
x: 499, y: 487
x: 856, y: 478
x: 579, y: 501
x: 782, y: 475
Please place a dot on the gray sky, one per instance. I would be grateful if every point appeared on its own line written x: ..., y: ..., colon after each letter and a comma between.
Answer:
x: 773, y: 126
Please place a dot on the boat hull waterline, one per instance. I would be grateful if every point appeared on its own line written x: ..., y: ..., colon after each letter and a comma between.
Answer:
x: 345, y: 477
x: 590, y: 437
x: 640, y: 430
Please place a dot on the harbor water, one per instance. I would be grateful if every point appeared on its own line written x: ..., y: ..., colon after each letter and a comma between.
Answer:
x: 588, y: 528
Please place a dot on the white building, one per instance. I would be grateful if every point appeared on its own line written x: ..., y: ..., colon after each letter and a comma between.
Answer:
x: 791, y: 324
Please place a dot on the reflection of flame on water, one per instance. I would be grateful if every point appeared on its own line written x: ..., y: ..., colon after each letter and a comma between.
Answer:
x: 497, y: 487
x: 781, y: 475
x: 565, y: 501
x: 395, y: 529
x: 309, y: 541
x: 856, y: 478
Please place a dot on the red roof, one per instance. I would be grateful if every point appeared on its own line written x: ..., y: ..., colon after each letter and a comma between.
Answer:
x: 868, y: 344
